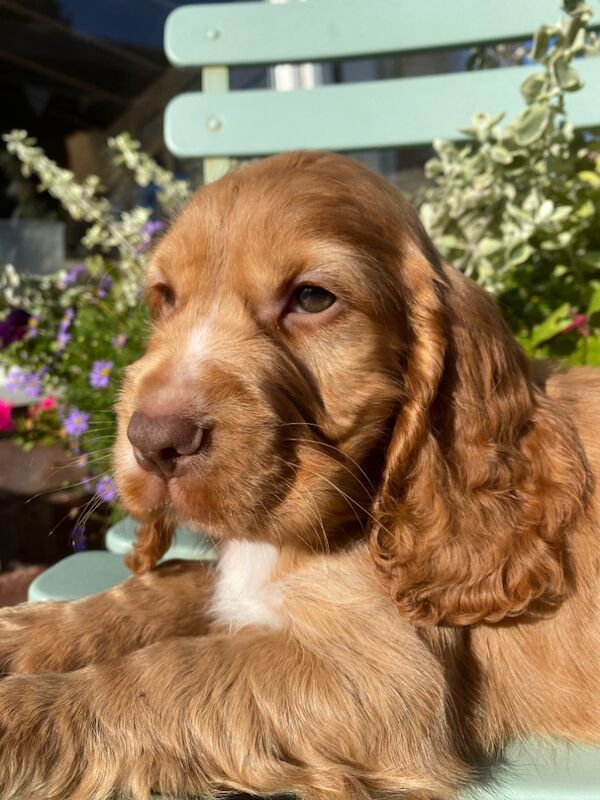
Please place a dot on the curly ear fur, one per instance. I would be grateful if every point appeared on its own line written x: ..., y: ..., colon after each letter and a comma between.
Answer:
x: 482, y: 476
x: 153, y: 539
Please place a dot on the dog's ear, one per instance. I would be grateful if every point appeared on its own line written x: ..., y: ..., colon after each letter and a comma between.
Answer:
x: 482, y: 475
x: 153, y: 539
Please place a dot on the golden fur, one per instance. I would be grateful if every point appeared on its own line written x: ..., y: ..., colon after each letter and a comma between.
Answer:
x: 420, y: 497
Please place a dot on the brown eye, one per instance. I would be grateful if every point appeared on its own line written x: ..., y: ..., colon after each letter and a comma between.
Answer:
x: 167, y: 295
x: 162, y: 298
x: 312, y: 299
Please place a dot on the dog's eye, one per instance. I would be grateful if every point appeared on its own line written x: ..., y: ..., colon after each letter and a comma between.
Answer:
x: 312, y: 299
x: 162, y: 298
x: 166, y: 294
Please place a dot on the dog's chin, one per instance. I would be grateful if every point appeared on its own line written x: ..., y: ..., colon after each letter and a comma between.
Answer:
x: 187, y: 504
x: 146, y: 495
x: 201, y: 511
x: 143, y: 499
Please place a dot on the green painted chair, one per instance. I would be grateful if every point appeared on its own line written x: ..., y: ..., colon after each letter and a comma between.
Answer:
x: 219, y: 125
x: 186, y: 543
x: 82, y: 574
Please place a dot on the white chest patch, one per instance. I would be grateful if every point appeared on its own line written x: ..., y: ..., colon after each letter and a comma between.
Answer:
x: 243, y: 595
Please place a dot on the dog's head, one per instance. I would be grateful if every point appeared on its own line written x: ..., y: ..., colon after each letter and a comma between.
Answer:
x: 315, y: 374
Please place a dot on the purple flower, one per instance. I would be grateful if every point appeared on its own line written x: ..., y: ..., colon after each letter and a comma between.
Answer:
x: 66, y: 320
x: 76, y: 422
x: 31, y: 385
x: 100, y: 374
x: 152, y: 227
x: 78, y: 539
x: 62, y: 339
x: 149, y: 230
x: 106, y: 489
x: 72, y: 275
x: 120, y: 340
x: 15, y: 379
x: 14, y: 326
x: 104, y: 286
x: 28, y: 382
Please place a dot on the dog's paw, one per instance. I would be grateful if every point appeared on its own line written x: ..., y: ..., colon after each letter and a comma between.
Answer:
x: 40, y: 754
x: 33, y: 638
x: 60, y: 739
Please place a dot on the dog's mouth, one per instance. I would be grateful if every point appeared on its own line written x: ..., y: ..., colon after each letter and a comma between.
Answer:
x: 221, y: 491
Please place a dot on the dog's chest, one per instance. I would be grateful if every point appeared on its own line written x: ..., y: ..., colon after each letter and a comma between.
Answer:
x: 244, y: 594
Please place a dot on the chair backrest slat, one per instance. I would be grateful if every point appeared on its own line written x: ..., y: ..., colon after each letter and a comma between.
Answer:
x: 372, y: 114
x: 320, y: 30
x: 218, y: 124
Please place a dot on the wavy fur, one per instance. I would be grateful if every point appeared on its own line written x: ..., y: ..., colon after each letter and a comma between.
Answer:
x: 405, y: 508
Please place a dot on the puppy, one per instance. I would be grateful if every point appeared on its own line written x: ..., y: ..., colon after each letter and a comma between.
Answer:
x: 404, y: 505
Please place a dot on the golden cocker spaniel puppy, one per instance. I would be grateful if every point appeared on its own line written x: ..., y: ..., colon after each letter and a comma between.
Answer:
x: 405, y: 509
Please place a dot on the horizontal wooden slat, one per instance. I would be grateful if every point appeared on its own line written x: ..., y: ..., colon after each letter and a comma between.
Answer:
x: 366, y: 115
x: 320, y: 30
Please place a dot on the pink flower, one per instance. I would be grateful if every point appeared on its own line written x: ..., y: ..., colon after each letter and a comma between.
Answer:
x: 6, y: 421
x: 46, y: 404
x: 578, y: 322
x: 120, y: 340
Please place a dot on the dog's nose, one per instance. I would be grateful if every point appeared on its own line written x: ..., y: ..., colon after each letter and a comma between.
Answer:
x: 162, y: 444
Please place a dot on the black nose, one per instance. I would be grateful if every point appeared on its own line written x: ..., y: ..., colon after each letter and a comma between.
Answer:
x: 163, y: 444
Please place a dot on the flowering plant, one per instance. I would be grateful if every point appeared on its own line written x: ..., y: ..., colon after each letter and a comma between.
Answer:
x: 65, y: 338
x: 516, y: 205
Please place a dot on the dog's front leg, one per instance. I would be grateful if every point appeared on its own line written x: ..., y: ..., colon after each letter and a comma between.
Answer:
x: 254, y: 711
x: 170, y: 600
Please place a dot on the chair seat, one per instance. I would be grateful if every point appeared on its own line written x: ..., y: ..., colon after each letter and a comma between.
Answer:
x: 187, y: 543
x: 87, y: 573
x: 78, y: 576
x: 544, y: 771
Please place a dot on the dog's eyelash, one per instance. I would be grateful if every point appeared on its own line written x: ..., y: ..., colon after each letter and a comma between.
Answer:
x: 161, y: 298
x: 311, y: 299
x: 166, y: 293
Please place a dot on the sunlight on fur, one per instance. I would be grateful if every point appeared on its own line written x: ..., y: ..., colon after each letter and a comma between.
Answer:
x: 405, y: 507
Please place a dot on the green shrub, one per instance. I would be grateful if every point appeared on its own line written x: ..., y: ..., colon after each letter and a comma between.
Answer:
x: 516, y: 206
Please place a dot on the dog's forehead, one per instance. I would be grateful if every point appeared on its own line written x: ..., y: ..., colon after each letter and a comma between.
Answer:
x: 217, y: 256
x: 249, y: 248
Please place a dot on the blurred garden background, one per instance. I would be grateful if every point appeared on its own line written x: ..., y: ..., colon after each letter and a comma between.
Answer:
x: 86, y: 185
